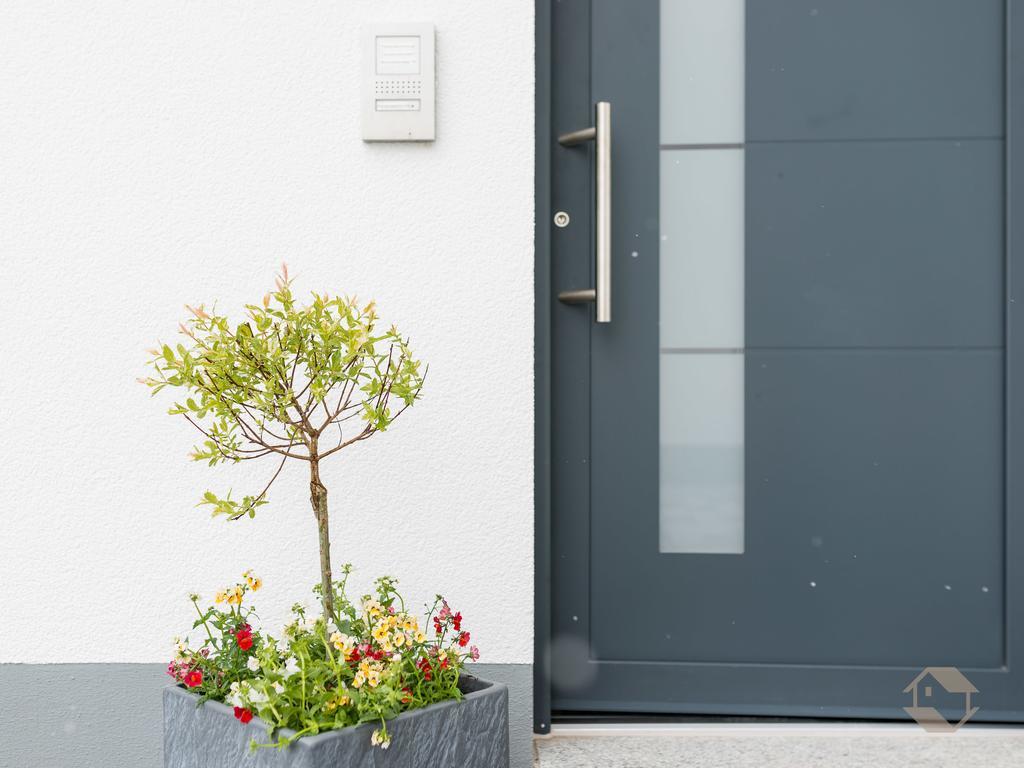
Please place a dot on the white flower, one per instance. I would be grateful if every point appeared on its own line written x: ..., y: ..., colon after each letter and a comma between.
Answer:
x: 278, y: 688
x: 234, y: 697
x: 380, y: 739
x: 282, y: 647
x: 256, y: 696
x: 180, y: 647
x: 291, y: 666
x: 253, y: 664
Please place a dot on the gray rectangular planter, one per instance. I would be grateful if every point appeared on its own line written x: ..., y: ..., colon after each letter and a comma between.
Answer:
x: 452, y: 734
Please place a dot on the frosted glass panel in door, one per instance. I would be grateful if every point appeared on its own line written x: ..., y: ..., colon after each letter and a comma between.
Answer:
x: 701, y: 273
x: 701, y: 281
x: 701, y: 453
x: 702, y: 78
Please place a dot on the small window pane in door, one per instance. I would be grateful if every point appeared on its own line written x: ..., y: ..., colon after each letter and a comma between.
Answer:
x: 702, y: 453
x: 701, y: 253
x: 702, y: 78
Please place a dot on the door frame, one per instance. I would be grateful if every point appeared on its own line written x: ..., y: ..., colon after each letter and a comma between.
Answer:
x: 1013, y: 341
x: 542, y: 372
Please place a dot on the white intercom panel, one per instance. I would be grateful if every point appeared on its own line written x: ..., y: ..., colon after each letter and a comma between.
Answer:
x: 398, y: 82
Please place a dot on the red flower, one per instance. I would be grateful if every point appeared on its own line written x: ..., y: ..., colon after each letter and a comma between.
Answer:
x: 244, y: 637
x: 424, y: 666
x: 457, y: 622
x: 194, y: 678
x: 408, y: 695
x: 437, y: 625
x: 243, y: 714
x: 464, y: 639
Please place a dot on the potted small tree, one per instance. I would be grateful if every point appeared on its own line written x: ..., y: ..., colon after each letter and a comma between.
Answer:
x: 363, y: 682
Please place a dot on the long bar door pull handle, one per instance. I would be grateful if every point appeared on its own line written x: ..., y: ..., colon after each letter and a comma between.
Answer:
x: 601, y: 134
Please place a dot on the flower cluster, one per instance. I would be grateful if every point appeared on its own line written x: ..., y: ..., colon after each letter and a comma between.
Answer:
x: 368, y: 662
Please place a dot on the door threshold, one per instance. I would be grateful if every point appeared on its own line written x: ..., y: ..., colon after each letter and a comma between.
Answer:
x: 775, y: 727
x: 841, y: 744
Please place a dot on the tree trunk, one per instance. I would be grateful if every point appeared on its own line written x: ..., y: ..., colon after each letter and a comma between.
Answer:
x: 318, y: 498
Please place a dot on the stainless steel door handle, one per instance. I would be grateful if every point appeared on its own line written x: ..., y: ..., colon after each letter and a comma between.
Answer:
x: 601, y: 134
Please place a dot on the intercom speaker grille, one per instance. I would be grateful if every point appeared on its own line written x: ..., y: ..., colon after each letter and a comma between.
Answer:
x: 397, y: 88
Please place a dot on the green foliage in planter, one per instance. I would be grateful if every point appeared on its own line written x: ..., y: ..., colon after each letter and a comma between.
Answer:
x: 294, y: 382
x: 375, y: 661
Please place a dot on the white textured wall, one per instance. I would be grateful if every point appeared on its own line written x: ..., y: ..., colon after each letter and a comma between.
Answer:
x: 154, y: 153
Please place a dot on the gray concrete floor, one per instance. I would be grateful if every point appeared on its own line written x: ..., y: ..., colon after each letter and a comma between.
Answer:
x: 780, y: 746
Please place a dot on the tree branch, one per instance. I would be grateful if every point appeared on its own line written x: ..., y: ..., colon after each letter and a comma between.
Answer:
x: 369, y: 430
x: 263, y: 492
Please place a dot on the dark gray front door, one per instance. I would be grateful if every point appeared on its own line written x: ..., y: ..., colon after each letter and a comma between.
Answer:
x: 785, y: 475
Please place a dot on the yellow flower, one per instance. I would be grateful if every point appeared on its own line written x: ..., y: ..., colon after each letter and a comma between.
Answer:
x: 420, y: 637
x: 373, y: 678
x: 341, y: 700
x: 372, y: 608
x: 359, y: 679
x: 386, y: 646
x: 255, y: 583
x: 380, y: 633
x: 343, y: 643
x: 399, y: 640
x: 410, y: 624
x: 220, y: 597
x: 235, y: 594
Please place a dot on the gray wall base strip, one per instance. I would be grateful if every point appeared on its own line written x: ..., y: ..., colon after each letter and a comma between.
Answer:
x: 110, y: 715
x: 519, y: 679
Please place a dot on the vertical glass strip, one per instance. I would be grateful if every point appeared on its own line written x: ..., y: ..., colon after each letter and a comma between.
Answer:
x: 702, y: 277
